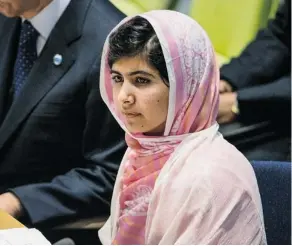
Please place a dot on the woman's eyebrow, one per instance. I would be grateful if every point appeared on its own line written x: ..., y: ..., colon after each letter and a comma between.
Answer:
x: 141, y: 72
x: 134, y: 73
x: 114, y: 71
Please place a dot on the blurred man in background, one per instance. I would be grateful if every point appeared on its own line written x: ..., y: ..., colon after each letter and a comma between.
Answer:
x: 59, y: 146
x: 256, y: 87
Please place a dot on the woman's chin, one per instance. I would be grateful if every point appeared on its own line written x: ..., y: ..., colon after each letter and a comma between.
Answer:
x: 136, y: 130
x: 143, y: 130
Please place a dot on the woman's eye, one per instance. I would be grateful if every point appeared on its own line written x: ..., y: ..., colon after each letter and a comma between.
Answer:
x: 117, y: 79
x: 140, y: 80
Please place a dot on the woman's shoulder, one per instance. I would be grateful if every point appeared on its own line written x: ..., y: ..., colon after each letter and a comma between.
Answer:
x: 224, y: 164
x: 208, y: 191
x: 216, y: 165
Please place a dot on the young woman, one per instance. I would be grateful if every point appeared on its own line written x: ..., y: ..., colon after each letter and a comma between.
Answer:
x: 180, y: 182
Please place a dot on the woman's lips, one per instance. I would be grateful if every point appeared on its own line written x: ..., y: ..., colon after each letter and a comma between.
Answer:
x: 131, y: 115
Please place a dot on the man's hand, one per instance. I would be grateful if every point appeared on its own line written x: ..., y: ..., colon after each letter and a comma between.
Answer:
x: 226, y: 101
x: 10, y: 204
x: 224, y: 87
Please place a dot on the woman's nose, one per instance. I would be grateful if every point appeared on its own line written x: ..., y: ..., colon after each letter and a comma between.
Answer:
x: 126, y: 96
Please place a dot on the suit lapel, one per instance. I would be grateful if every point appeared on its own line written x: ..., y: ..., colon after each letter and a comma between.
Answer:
x: 44, y: 74
x: 8, y: 43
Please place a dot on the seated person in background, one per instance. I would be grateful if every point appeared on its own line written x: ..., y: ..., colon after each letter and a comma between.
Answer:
x: 180, y: 182
x: 256, y: 86
x: 59, y: 147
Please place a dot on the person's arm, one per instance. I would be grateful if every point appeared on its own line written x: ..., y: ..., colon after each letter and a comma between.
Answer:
x: 266, y: 58
x: 266, y: 102
x: 82, y: 192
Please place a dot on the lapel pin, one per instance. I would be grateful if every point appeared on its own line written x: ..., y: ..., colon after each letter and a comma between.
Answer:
x: 58, y: 59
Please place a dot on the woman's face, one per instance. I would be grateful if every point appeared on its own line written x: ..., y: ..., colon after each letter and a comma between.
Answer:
x: 140, y: 95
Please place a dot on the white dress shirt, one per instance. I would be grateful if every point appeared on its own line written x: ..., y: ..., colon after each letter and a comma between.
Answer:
x: 45, y: 21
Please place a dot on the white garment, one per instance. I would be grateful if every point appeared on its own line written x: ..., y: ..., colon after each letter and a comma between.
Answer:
x: 206, y: 196
x: 45, y: 21
x: 22, y: 236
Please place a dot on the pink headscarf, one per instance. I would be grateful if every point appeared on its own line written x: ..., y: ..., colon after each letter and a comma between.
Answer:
x: 193, y: 106
x: 193, y: 79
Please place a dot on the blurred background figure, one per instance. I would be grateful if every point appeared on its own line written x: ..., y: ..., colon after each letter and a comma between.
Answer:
x: 255, y: 109
x: 59, y: 147
x: 256, y: 88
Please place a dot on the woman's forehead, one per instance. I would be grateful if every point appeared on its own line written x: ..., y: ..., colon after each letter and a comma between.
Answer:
x: 132, y: 64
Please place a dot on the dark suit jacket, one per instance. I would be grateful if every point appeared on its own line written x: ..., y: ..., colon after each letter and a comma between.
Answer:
x: 60, y: 148
x: 261, y: 74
